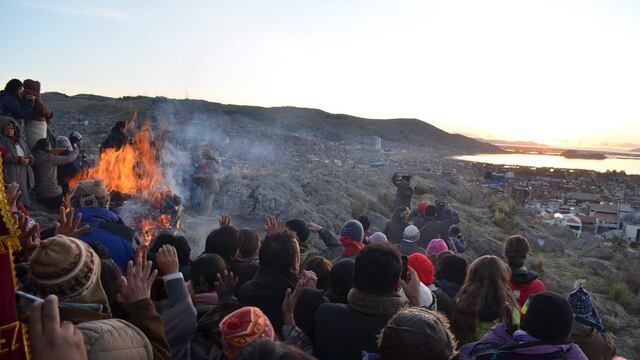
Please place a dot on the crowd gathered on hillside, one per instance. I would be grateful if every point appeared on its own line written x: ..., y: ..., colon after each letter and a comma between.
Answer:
x: 293, y: 290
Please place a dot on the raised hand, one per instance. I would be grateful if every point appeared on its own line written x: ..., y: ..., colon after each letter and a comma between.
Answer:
x: 13, y: 194
x: 224, y: 220
x: 167, y: 259
x: 411, y: 287
x: 315, y: 228
x: 272, y: 225
x: 29, y: 237
x: 225, y: 284
x: 138, y: 281
x: 68, y: 223
x: 290, y: 301
x: 51, y: 339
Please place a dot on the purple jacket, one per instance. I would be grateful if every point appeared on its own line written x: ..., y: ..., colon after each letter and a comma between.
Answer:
x: 499, y: 334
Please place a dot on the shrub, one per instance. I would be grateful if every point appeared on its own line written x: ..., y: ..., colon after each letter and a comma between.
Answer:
x: 622, y: 294
x: 537, y: 264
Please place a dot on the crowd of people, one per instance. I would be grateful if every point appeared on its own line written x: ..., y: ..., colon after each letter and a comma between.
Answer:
x: 408, y: 292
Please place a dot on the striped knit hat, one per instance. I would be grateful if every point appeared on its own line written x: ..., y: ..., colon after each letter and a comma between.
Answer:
x: 353, y: 230
x: 67, y: 268
x: 243, y: 327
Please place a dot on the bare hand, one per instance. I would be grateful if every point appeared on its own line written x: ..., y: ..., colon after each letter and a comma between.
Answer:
x: 315, y: 228
x: 29, y: 238
x: 308, y: 279
x: 68, y: 223
x: 273, y: 226
x: 225, y: 284
x: 167, y: 259
x: 51, y: 339
x: 290, y: 301
x: 224, y: 220
x: 138, y: 281
x: 511, y: 324
x: 411, y: 287
x: 141, y: 252
x: 13, y: 194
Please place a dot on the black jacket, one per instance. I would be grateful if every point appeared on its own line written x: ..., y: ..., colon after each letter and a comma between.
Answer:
x: 395, y: 228
x: 115, y: 140
x: 266, y: 291
x: 433, y: 229
x: 403, y: 195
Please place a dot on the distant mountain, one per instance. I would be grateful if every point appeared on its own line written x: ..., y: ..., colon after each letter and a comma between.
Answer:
x: 635, y: 150
x: 514, y: 143
x: 101, y: 112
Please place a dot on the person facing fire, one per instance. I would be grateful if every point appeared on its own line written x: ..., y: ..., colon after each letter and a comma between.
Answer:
x: 206, y: 181
x: 91, y: 199
x: 117, y: 138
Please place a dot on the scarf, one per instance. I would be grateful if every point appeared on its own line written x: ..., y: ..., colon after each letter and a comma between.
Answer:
x: 351, y: 248
x: 376, y: 305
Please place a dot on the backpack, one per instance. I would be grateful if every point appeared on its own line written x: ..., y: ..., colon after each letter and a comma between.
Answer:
x: 498, y: 351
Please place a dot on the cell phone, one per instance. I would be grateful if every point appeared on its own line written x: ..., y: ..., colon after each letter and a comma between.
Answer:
x: 405, y: 268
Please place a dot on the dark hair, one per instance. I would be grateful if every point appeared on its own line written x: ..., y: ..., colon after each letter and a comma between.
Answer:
x: 120, y: 125
x: 453, y: 268
x: 377, y: 269
x: 100, y: 250
x: 223, y: 241
x: 455, y: 230
x: 365, y: 221
x: 322, y: 268
x: 300, y: 227
x: 278, y: 251
x: 430, y: 211
x: 41, y: 145
x: 341, y: 277
x: 249, y: 242
x: 516, y: 249
x: 177, y: 241
x: 267, y: 349
x: 13, y: 85
x: 204, y: 272
x: 110, y: 276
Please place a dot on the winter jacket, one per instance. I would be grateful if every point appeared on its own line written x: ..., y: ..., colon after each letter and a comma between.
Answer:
x: 403, y: 195
x: 433, y: 229
x: 115, y: 140
x: 179, y: 316
x: 243, y: 270
x: 39, y: 111
x: 351, y: 248
x: 596, y: 345
x: 395, y: 228
x: 499, y: 334
x: 143, y: 315
x: 13, y: 151
x: 206, y: 175
x: 525, y: 283
x: 45, y: 169
x: 11, y: 106
x: 266, y: 291
x: 456, y: 244
x: 449, y: 288
x: 107, y: 228
x: 114, y: 339
x: 410, y: 247
x: 344, y: 331
x: 332, y: 251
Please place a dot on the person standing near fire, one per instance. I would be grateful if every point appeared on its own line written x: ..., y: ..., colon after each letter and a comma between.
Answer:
x: 117, y: 138
x: 205, y: 180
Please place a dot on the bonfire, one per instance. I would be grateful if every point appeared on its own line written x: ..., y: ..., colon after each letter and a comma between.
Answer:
x: 137, y: 184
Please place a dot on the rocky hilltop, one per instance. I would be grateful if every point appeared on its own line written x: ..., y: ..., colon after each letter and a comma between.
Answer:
x: 326, y: 168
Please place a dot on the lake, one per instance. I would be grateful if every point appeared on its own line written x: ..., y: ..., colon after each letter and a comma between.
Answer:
x: 629, y: 165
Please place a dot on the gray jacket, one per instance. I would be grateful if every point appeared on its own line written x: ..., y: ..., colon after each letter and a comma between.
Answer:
x: 45, y: 169
x: 12, y: 169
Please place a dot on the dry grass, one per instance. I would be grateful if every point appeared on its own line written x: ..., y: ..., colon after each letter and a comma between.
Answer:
x: 622, y: 294
x: 537, y: 264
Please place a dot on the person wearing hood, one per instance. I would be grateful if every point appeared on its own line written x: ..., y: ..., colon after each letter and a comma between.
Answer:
x: 351, y: 236
x: 395, y: 227
x: 404, y: 191
x: 117, y: 137
x: 45, y: 168
x: 37, y: 120
x: 544, y: 331
x: 91, y: 199
x: 206, y: 180
x: 302, y: 229
x: 16, y: 159
x: 69, y: 171
x: 409, y: 243
x: 587, y: 330
x: 523, y: 282
x: 14, y: 102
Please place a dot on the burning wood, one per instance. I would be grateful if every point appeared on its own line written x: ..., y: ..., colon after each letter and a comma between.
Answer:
x: 138, y: 186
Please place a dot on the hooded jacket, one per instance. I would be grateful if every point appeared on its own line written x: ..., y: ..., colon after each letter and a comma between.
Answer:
x: 595, y: 345
x: 499, y: 335
x: 403, y: 194
x: 114, y: 339
x: 13, y: 151
x: 11, y: 106
x: 525, y: 283
x: 45, y: 169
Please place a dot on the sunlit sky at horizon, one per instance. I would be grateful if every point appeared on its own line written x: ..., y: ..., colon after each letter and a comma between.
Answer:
x: 552, y: 71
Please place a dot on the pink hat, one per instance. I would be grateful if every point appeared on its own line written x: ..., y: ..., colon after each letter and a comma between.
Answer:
x: 377, y: 238
x: 436, y: 246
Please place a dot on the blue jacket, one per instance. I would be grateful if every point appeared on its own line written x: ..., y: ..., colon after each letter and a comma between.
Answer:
x: 13, y: 107
x: 109, y: 229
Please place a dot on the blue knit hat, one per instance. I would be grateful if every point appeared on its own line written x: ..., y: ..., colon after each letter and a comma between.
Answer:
x: 353, y: 230
x: 583, y: 309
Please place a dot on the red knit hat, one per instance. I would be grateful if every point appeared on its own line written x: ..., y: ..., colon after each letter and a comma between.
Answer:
x: 242, y: 327
x: 423, y: 266
x: 421, y: 207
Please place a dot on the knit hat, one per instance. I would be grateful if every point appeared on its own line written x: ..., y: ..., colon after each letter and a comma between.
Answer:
x: 423, y: 266
x: 583, y: 309
x: 90, y: 193
x: 421, y: 207
x: 63, y: 142
x: 114, y: 339
x: 299, y: 227
x: 353, y: 230
x: 377, y: 238
x: 242, y: 327
x: 436, y: 246
x: 67, y: 268
x: 411, y: 234
x: 548, y: 317
x: 414, y: 332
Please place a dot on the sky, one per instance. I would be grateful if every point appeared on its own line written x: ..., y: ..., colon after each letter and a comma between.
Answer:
x: 560, y: 72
